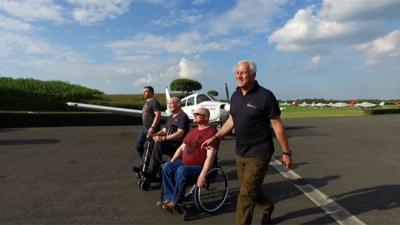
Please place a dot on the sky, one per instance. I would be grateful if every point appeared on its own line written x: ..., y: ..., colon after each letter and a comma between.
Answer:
x: 332, y: 49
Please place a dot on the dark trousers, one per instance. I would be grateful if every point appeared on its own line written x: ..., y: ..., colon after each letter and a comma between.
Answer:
x: 251, y: 173
x: 161, y: 148
x: 140, y: 142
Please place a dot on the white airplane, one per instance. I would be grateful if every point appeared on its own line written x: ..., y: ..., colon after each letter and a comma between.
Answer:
x: 304, y: 104
x: 339, y: 105
x: 219, y: 111
x: 284, y: 104
x: 319, y: 105
x: 369, y: 105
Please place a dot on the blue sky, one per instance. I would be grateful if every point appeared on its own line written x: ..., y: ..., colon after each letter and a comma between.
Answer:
x: 338, y: 49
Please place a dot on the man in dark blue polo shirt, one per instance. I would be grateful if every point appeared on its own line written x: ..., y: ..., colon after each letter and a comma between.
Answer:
x: 253, y: 110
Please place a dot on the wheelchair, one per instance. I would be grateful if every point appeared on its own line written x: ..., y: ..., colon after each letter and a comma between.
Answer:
x: 144, y: 183
x: 211, y: 197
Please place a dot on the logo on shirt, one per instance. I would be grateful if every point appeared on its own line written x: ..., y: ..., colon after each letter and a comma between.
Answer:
x: 251, y: 105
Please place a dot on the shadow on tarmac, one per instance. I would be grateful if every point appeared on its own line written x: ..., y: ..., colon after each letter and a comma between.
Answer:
x: 28, y: 141
x: 360, y: 201
x: 10, y: 129
x: 193, y: 213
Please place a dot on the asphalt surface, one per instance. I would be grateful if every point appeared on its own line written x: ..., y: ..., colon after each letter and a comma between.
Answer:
x: 81, y: 175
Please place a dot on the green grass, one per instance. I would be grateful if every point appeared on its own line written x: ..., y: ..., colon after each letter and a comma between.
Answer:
x: 136, y: 101
x: 292, y: 112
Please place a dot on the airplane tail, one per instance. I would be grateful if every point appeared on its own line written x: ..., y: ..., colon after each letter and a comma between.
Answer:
x: 382, y: 104
x: 167, y: 95
x: 352, y: 102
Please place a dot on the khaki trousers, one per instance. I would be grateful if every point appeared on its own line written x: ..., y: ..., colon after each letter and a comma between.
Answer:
x: 251, y: 173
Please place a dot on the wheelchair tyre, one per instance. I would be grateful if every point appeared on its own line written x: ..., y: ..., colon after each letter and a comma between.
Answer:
x: 144, y: 185
x: 211, y: 197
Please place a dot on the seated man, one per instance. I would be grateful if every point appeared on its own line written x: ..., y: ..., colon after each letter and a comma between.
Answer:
x: 189, y: 161
x: 168, y: 139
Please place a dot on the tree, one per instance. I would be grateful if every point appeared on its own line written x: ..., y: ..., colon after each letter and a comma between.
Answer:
x: 213, y: 93
x: 185, y: 85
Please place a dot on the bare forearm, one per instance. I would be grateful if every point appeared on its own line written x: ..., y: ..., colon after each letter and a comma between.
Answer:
x: 178, y: 153
x: 226, y: 128
x: 156, y: 119
x: 177, y: 136
x: 280, y: 133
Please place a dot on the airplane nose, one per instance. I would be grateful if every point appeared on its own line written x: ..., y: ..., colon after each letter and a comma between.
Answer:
x: 227, y: 107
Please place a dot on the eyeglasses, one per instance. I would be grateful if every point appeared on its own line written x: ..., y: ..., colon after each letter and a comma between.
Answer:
x: 198, y: 114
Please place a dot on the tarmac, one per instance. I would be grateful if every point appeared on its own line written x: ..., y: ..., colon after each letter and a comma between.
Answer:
x: 346, y: 171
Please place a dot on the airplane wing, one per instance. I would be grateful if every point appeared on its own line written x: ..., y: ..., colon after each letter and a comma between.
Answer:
x: 125, y: 111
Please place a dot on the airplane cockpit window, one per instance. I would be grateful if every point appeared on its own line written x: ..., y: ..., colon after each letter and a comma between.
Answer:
x: 190, y: 101
x: 202, y: 98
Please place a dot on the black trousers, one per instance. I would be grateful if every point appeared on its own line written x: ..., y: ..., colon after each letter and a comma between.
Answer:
x: 161, y: 148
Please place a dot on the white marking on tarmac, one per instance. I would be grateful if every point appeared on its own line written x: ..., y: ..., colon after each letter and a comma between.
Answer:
x: 340, y: 214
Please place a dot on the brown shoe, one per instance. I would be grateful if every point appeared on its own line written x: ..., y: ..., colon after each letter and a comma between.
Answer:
x: 170, y: 206
x: 161, y: 203
x: 266, y: 218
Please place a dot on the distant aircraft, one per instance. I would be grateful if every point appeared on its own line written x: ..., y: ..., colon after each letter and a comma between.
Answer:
x: 219, y: 111
x: 304, y: 104
x: 339, y: 105
x: 284, y: 104
x: 369, y: 105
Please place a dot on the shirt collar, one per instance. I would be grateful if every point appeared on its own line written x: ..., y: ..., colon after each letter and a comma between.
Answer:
x: 255, y: 87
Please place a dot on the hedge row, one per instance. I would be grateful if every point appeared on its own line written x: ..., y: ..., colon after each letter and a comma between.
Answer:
x: 36, y: 95
x: 52, y: 119
x: 381, y: 111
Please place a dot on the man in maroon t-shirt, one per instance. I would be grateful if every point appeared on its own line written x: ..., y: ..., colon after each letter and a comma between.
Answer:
x: 190, y: 161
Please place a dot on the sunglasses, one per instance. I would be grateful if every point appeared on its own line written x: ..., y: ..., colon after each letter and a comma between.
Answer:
x: 198, y: 114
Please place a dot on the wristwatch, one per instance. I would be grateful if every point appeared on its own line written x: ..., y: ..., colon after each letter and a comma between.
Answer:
x: 288, y: 152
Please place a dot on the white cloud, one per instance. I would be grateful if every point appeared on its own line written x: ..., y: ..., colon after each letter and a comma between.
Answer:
x: 144, y: 80
x: 188, y: 69
x: 184, y: 69
x: 253, y: 16
x: 10, y: 24
x: 307, y: 31
x: 182, y: 17
x: 316, y: 63
x: 23, y: 44
x: 344, y: 10
x: 91, y: 11
x: 32, y: 10
x: 183, y: 43
x: 316, y: 60
x: 199, y: 2
x: 387, y: 46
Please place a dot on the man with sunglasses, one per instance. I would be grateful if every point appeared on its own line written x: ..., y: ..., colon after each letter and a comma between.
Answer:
x: 189, y: 162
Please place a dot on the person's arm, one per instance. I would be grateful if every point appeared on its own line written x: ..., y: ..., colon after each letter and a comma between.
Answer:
x: 159, y: 136
x: 225, y: 129
x: 156, y: 120
x: 211, y: 152
x: 178, y: 153
x: 177, y: 136
x: 279, y: 130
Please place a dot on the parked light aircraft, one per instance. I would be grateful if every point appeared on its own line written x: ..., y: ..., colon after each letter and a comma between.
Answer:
x: 219, y: 111
x: 339, y: 105
x: 369, y: 105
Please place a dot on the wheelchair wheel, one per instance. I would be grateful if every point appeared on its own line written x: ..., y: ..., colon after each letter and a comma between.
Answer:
x: 144, y: 185
x: 212, y: 196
